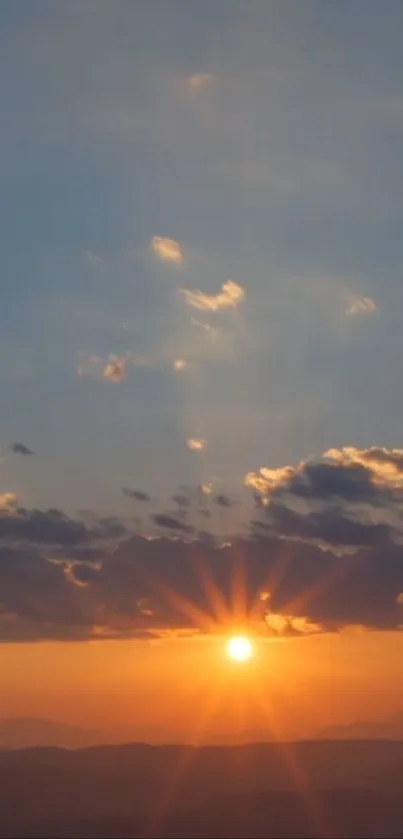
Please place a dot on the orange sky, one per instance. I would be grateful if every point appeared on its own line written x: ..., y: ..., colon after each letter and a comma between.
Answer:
x: 169, y: 689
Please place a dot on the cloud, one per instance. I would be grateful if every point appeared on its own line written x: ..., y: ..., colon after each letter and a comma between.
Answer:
x: 170, y: 522
x: 8, y: 500
x: 359, y: 306
x: 347, y: 498
x: 112, y: 369
x: 179, y: 364
x: 136, y: 494
x: 115, y: 368
x: 324, y: 553
x: 205, y: 326
x: 168, y: 250
x: 20, y: 448
x: 223, y: 500
x: 90, y: 366
x: 200, y: 81
x: 141, y: 587
x: 230, y: 296
x: 195, y: 444
x: 94, y: 259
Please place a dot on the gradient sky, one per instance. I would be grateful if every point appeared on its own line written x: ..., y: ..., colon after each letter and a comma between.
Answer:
x: 201, y: 259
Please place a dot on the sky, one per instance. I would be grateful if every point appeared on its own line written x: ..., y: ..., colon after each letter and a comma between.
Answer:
x: 200, y: 423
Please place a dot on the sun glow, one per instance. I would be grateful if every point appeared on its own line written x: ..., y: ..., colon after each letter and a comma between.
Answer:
x: 239, y: 648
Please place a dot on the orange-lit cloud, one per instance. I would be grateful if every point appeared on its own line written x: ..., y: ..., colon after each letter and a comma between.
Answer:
x: 324, y: 554
x: 115, y: 368
x: 112, y: 369
x: 230, y: 296
x: 179, y: 364
x: 279, y: 624
x: 195, y: 444
x: 8, y: 500
x: 168, y: 250
x: 199, y: 81
x: 359, y: 306
x: 205, y: 326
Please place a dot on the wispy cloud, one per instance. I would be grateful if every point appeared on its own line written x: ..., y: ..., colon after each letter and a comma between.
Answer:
x: 93, y: 258
x: 359, y: 306
x: 199, y: 81
x: 179, y: 364
x: 195, y: 444
x: 230, y: 296
x: 135, y: 494
x: 168, y: 250
x: 114, y: 368
x: 205, y: 326
x: 20, y: 448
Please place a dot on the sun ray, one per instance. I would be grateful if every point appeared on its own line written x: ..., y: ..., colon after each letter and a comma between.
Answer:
x: 215, y: 696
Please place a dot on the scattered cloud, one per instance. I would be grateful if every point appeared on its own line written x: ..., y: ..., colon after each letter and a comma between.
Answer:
x: 169, y: 522
x: 230, y: 296
x: 200, y: 81
x: 206, y: 489
x: 89, y: 366
x: 8, y: 500
x: 359, y: 306
x: 135, y: 494
x: 346, y: 499
x: 114, y: 368
x: 223, y: 500
x: 205, y: 326
x: 195, y: 444
x: 20, y: 448
x: 63, y: 579
x: 94, y: 259
x: 168, y: 250
x: 323, y: 554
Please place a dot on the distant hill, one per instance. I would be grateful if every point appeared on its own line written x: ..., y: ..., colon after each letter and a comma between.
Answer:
x: 390, y: 729
x: 221, y: 791
x: 27, y: 732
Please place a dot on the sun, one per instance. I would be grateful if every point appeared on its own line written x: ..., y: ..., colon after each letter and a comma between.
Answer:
x: 239, y: 648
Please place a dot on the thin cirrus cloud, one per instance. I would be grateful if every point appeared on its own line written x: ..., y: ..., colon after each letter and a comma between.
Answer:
x: 230, y: 296
x: 112, y: 369
x: 206, y: 327
x: 94, y: 259
x: 199, y: 81
x: 167, y: 250
x: 359, y: 306
x: 195, y: 444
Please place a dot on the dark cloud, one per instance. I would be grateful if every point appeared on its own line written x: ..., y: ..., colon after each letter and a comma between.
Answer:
x: 20, y: 448
x: 349, y: 497
x: 136, y: 494
x: 171, y: 523
x: 223, y: 500
x: 182, y: 500
x: 324, y: 551
x: 288, y: 589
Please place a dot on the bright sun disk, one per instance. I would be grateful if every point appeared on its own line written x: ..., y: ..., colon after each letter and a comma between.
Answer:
x: 239, y: 648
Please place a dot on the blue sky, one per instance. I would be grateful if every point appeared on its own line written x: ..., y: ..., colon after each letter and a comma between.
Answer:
x: 265, y: 140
